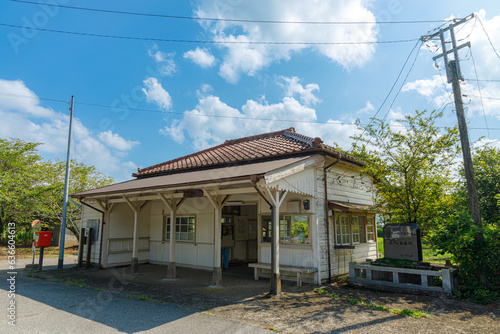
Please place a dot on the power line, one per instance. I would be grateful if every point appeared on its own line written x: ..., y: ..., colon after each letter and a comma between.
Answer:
x: 484, y: 80
x: 387, y: 97
x: 402, y: 84
x: 196, y: 18
x: 33, y: 97
x: 488, y: 36
x: 484, y: 97
x: 203, y: 115
x: 479, y: 90
x: 390, y: 91
x: 206, y: 41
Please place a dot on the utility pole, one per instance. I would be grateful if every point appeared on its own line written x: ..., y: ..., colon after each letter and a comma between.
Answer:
x: 454, y: 74
x: 66, y: 188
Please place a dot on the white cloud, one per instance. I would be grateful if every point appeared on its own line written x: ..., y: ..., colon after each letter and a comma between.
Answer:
x: 212, y: 121
x: 483, y: 142
x: 168, y: 68
x: 293, y: 87
x: 368, y: 108
x: 205, y: 90
x: 17, y: 97
x: 157, y: 55
x: 249, y: 58
x: 201, y: 57
x: 426, y: 87
x: 166, y: 61
x: 25, y: 119
x: 155, y: 93
x: 242, y: 57
x: 113, y: 140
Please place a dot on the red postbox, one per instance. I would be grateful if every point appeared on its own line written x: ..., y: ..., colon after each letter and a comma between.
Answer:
x: 42, y: 238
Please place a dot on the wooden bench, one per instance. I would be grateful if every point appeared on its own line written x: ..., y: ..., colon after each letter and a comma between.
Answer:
x: 298, y: 270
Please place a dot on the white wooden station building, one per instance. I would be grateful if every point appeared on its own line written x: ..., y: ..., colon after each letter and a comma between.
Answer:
x: 221, y: 198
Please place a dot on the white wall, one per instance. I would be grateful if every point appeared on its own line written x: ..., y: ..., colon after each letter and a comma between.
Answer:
x: 344, y: 184
x: 197, y: 253
x: 120, y: 233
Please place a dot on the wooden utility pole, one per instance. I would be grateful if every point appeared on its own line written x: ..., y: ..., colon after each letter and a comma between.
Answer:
x: 464, y: 139
x: 454, y: 75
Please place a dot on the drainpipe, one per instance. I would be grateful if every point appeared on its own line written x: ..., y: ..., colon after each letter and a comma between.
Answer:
x: 102, y: 229
x: 339, y: 158
x: 255, y: 179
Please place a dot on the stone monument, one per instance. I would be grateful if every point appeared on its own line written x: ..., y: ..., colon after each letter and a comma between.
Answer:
x: 402, y: 242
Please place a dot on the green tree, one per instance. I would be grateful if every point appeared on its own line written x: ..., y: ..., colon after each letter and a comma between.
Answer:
x: 412, y: 165
x: 19, y: 175
x: 475, y: 250
x: 50, y: 205
x: 31, y: 188
x: 486, y: 161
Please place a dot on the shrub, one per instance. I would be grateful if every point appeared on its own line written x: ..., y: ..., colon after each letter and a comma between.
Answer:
x: 478, y: 258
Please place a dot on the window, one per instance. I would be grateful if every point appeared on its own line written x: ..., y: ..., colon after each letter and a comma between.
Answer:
x: 266, y: 228
x: 342, y: 230
x: 184, y: 228
x: 355, y: 230
x: 370, y: 236
x: 294, y: 229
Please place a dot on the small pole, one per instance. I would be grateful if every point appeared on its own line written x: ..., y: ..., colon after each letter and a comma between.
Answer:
x: 33, y: 249
x: 40, y: 260
x: 66, y: 187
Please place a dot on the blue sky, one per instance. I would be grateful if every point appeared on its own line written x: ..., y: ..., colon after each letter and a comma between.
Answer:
x: 139, y: 102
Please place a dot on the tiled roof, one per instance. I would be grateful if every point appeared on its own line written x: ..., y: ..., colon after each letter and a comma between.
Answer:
x: 254, y: 148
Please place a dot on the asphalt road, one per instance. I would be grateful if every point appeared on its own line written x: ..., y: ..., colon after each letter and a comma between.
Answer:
x: 52, y: 307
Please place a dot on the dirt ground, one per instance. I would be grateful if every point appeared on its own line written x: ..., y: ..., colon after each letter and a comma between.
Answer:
x: 300, y: 310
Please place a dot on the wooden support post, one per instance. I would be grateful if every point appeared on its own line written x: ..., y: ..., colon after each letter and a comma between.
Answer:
x: 218, y: 203
x: 173, y: 204
x: 135, y: 254
x: 217, y: 274
x: 276, y: 199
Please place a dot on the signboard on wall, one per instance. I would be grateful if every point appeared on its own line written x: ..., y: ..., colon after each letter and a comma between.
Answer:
x: 402, y: 242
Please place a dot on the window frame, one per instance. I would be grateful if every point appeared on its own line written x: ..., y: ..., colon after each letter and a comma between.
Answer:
x: 178, y: 232
x: 265, y: 231
x: 353, y: 233
x: 370, y: 222
x: 340, y: 232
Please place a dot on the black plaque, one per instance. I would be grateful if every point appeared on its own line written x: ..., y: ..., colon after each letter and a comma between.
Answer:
x: 402, y: 242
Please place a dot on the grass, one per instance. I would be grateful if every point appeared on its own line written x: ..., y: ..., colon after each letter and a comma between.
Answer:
x: 428, y: 255
x: 77, y: 282
x: 372, y: 306
x: 144, y: 298
x: 48, y: 252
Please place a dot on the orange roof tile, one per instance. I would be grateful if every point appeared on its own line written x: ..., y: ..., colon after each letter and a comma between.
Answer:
x: 248, y: 149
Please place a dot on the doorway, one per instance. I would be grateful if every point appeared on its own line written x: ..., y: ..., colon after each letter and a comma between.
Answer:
x: 239, y: 236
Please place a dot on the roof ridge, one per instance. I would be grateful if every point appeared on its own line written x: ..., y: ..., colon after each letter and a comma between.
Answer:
x: 259, y: 136
x: 312, y: 142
